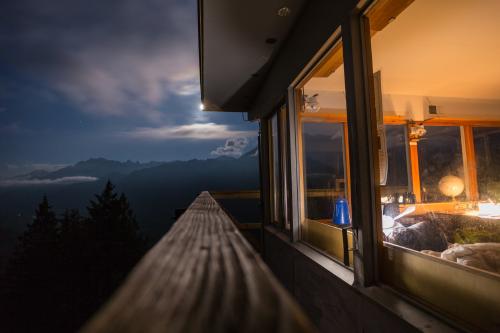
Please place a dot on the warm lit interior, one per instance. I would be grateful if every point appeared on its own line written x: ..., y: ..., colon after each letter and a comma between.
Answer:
x: 437, y: 87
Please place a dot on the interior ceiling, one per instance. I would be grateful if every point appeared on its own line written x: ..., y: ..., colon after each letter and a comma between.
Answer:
x: 447, y: 48
x: 235, y: 54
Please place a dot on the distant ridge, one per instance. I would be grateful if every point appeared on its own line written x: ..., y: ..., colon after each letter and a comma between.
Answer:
x: 105, y: 168
x: 155, y: 190
x: 94, y: 167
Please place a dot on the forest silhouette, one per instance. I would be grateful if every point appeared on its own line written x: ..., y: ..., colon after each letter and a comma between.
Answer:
x: 64, y: 268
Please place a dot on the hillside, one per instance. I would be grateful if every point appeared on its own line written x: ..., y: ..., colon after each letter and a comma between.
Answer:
x: 154, y: 189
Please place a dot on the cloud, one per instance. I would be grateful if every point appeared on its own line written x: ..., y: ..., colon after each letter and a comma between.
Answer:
x: 58, y: 181
x: 110, y: 57
x: 11, y: 170
x: 37, y: 166
x: 201, y: 131
x: 233, y: 147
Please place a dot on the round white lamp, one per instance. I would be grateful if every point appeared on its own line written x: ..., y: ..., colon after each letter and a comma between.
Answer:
x: 451, y: 186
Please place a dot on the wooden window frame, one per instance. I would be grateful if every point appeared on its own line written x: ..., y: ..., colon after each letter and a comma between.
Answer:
x: 468, y: 153
x: 325, y: 233
x: 275, y: 184
x: 319, y: 66
x: 277, y: 209
x: 284, y: 142
x: 446, y: 289
x: 376, y: 263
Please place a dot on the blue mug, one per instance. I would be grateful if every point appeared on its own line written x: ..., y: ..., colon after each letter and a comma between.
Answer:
x: 341, y: 215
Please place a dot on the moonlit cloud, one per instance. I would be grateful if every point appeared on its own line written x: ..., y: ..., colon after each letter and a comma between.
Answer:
x: 233, y: 147
x: 107, y: 57
x: 10, y: 170
x: 49, y: 167
x: 57, y: 181
x: 117, y: 79
x: 207, y: 131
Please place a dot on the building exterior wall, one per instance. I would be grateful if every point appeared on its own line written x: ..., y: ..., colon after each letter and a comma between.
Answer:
x: 334, y: 305
x: 336, y: 298
x: 317, y: 22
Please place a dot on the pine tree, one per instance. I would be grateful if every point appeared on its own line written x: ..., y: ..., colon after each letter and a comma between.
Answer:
x: 34, y: 270
x: 42, y: 235
x: 63, y: 270
x: 75, y: 303
x: 117, y: 242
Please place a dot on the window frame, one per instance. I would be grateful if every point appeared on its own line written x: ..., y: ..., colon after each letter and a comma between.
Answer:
x: 372, y: 257
x: 274, y: 184
x: 432, y: 283
x: 282, y: 221
x: 296, y: 120
x: 342, y: 254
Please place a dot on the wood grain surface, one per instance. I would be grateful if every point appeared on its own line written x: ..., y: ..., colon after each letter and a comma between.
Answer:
x: 202, y: 276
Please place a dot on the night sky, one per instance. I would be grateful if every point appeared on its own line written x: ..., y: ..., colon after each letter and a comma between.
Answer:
x: 115, y: 79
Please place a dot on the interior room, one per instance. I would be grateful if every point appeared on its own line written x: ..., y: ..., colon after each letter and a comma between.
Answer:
x: 437, y: 98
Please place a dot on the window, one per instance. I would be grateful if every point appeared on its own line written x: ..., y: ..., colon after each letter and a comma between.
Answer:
x: 487, y: 151
x: 276, y: 190
x: 324, y: 158
x: 440, y: 158
x: 437, y: 99
x: 396, y: 184
x: 324, y: 176
x: 278, y: 170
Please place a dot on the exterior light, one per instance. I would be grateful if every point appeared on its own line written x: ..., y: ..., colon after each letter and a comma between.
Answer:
x: 311, y: 103
x: 202, y: 107
x: 284, y: 11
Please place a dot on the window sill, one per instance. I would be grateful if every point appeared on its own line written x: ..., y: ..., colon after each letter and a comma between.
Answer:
x: 323, y: 260
x: 386, y: 297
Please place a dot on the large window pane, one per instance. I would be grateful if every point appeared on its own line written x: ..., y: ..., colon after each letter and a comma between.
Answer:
x: 487, y: 149
x: 397, y: 164
x: 437, y: 77
x: 322, y: 123
x: 324, y: 177
x: 441, y: 164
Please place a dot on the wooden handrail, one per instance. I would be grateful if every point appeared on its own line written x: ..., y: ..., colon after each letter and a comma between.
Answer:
x: 202, y: 276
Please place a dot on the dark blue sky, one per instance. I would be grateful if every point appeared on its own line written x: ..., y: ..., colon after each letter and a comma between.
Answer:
x: 113, y: 79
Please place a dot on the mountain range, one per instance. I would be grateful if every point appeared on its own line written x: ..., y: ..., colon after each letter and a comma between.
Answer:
x: 155, y: 190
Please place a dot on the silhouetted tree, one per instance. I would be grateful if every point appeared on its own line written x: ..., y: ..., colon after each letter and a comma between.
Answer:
x: 117, y: 244
x: 63, y: 270
x: 33, y: 272
x: 74, y: 301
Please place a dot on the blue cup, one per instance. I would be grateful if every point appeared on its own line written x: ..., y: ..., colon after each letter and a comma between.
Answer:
x: 341, y: 215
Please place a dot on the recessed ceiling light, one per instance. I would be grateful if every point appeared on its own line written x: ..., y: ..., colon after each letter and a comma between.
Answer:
x: 284, y: 11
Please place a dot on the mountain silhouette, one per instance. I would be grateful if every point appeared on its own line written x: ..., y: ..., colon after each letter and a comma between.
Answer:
x: 94, y: 167
x: 155, y: 190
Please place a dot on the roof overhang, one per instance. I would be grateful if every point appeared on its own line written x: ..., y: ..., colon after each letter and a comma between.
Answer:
x: 238, y: 41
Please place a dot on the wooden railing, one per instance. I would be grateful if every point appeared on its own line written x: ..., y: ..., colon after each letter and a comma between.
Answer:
x: 202, y: 276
